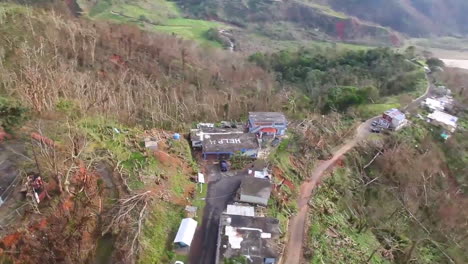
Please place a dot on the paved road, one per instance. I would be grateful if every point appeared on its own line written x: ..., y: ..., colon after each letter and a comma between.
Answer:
x: 222, y: 188
x: 297, y: 224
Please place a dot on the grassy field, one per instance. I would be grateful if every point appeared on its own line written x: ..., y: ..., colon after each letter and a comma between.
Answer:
x: 159, y: 230
x: 189, y: 28
x: 327, y: 10
x: 156, y: 15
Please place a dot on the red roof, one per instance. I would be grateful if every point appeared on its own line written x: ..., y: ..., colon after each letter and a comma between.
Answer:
x: 268, y: 130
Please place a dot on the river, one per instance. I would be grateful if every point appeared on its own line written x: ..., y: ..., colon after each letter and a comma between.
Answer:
x: 456, y: 63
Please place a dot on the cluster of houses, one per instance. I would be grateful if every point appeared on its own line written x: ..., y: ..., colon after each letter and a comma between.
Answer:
x: 229, y: 139
x: 244, y: 230
x: 441, y: 109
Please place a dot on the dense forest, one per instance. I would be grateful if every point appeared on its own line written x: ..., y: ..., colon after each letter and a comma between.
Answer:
x: 338, y: 80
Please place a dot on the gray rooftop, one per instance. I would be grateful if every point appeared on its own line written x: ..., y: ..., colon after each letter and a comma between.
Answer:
x: 195, y: 134
x: 258, y: 238
x: 229, y: 142
x: 256, y: 187
x: 395, y: 114
x: 275, y: 117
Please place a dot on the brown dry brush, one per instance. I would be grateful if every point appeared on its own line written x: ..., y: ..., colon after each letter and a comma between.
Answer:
x: 121, y: 71
x: 126, y: 219
x: 415, y: 180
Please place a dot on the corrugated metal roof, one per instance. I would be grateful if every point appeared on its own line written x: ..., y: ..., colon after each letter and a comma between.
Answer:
x: 186, y: 231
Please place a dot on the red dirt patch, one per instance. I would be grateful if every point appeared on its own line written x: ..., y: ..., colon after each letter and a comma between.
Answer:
x: 188, y: 192
x: 42, y: 139
x: 166, y: 159
x: 4, y: 135
x: 11, y: 240
x: 278, y: 173
x: 67, y: 205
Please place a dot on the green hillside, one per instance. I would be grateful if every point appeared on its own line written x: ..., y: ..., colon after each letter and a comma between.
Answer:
x: 156, y: 15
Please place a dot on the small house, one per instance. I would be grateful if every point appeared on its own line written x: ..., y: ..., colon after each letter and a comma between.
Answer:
x: 448, y: 122
x: 186, y: 231
x: 255, y: 190
x: 396, y: 118
x: 267, y: 123
x: 227, y: 145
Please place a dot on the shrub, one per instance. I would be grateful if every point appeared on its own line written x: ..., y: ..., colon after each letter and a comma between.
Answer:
x: 12, y: 114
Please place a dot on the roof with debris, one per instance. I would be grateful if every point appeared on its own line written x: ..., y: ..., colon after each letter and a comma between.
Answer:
x: 256, y: 238
x: 229, y: 143
x: 395, y: 114
x: 267, y: 117
x: 257, y: 187
x: 198, y: 134
x: 444, y: 118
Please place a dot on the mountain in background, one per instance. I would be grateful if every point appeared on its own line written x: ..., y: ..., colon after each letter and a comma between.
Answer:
x: 371, y: 22
x: 417, y: 18
x: 265, y: 25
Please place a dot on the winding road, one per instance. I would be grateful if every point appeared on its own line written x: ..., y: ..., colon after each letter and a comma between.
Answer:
x: 297, y: 224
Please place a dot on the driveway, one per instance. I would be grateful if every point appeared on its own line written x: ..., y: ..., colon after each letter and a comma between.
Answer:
x: 222, y: 188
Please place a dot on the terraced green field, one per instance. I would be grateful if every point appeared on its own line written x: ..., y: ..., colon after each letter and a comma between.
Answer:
x: 155, y: 15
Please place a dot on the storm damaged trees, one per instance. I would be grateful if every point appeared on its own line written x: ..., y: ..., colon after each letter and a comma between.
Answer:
x: 408, y: 192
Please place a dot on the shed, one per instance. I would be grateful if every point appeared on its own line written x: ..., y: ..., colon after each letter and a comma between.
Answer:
x: 255, y: 190
x: 186, y: 231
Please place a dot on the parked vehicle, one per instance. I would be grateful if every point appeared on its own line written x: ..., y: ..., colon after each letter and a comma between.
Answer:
x: 223, y: 165
x: 375, y: 130
x: 375, y: 122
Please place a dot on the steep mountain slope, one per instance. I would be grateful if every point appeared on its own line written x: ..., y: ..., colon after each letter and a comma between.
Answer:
x: 414, y: 17
x: 291, y: 20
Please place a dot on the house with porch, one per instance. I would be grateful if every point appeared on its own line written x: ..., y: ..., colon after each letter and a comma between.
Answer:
x: 267, y: 123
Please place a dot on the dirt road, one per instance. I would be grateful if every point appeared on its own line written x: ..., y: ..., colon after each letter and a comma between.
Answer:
x: 297, y: 224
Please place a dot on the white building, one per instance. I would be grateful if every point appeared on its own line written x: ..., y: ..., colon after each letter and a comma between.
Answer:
x: 444, y: 120
x: 396, y: 118
x: 438, y: 104
x: 186, y: 231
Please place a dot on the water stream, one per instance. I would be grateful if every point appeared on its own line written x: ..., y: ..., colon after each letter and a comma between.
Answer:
x: 229, y: 38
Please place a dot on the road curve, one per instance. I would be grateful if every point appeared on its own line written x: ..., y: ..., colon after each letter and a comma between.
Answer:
x: 297, y: 224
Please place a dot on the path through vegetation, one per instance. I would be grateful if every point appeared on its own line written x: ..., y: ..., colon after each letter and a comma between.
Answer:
x: 297, y: 224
